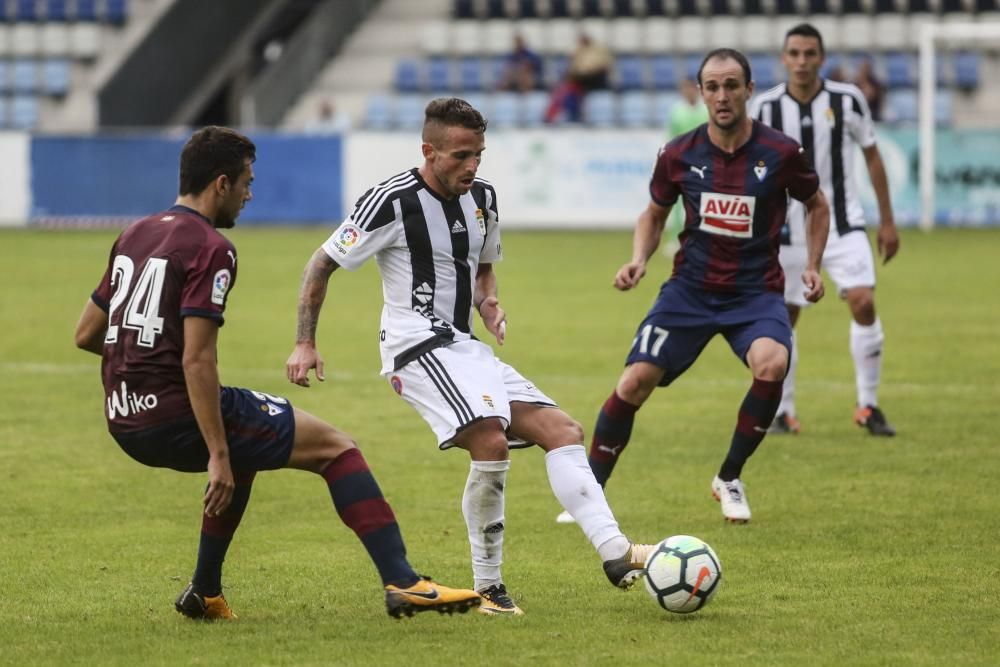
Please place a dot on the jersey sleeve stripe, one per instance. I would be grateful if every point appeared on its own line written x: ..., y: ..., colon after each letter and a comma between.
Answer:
x: 367, y: 220
x: 373, y: 199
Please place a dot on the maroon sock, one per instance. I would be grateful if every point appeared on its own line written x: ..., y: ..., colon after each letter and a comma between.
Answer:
x: 756, y: 414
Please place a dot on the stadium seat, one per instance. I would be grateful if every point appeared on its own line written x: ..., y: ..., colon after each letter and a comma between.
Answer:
x: 471, y: 76
x: 410, y: 112
x: 596, y: 28
x: 622, y: 9
x: 914, y: 28
x: 625, y: 36
x: 828, y: 26
x: 901, y: 106
x: 55, y: 10
x: 23, y: 112
x: 533, y: 32
x: 86, y: 10
x: 663, y: 106
x: 532, y: 108
x: 466, y: 37
x: 630, y: 73
x: 479, y: 102
x: 856, y: 32
x: 55, y: 39
x: 4, y: 40
x: 655, y: 8
x: 899, y: 70
x: 599, y: 109
x: 657, y: 35
x: 434, y: 38
x: 967, y: 70
x: 688, y: 7
x: 25, y: 10
x: 560, y: 37
x: 944, y: 108
x: 495, y: 9
x: 24, y: 39
x: 692, y: 63
x: 764, y: 69
x: 664, y: 71
x: 498, y: 37
x: 116, y: 12
x: 56, y: 77
x: 559, y: 9
x: 890, y: 30
x: 4, y: 77
x: 378, y: 112
x: 591, y: 8
x: 463, y: 9
x: 24, y: 76
x: 3, y: 112
x: 635, y: 109
x: 506, y: 110
x: 554, y: 69
x: 691, y: 33
x: 407, y: 75
x: 84, y: 40
x: 527, y: 9
x: 758, y: 35
x: 438, y: 75
x: 725, y: 31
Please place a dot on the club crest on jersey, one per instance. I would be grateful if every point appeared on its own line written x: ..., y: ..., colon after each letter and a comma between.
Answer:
x: 727, y: 215
x: 345, y: 238
x: 220, y: 285
x: 481, y: 219
x: 760, y: 170
x: 397, y: 384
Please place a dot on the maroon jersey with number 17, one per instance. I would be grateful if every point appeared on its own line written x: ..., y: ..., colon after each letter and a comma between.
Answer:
x: 162, y: 269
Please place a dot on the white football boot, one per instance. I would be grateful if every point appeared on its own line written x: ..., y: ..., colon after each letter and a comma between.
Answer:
x: 733, y: 499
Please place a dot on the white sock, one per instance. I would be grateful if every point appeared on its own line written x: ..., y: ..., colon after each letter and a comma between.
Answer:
x: 866, y: 348
x: 482, y: 506
x: 573, y: 484
x: 787, y: 405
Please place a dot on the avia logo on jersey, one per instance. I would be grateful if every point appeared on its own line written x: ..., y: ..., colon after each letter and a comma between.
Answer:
x: 727, y: 215
x: 220, y: 285
x: 126, y: 404
x: 345, y: 238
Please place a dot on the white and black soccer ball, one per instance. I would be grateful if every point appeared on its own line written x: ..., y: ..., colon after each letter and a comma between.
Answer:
x: 682, y: 574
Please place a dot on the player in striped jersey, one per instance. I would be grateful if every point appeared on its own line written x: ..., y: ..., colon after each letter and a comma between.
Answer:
x: 828, y: 118
x: 434, y: 232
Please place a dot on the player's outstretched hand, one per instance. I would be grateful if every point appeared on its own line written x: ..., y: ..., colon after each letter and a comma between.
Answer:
x: 888, y: 242
x: 494, y: 318
x: 220, y: 486
x: 814, y: 285
x: 629, y: 275
x: 303, y: 359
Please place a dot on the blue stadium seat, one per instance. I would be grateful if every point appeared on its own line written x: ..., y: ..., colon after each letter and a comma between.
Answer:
x: 23, y: 112
x: 763, y: 68
x: 55, y: 10
x: 4, y: 77
x: 410, y: 111
x: 533, y: 108
x: 630, y: 73
x: 663, y: 106
x: 944, y: 108
x: 24, y: 76
x: 505, y: 110
x: 635, y: 109
x: 407, y: 76
x: 438, y: 74
x: 832, y: 62
x: 554, y: 69
x: 86, y: 10
x: 967, y: 70
x: 692, y: 63
x: 470, y: 74
x: 599, y: 108
x: 55, y: 76
x: 901, y: 106
x: 899, y: 70
x: 116, y: 12
x: 378, y: 112
x: 664, y: 73
x: 478, y: 101
x: 25, y: 10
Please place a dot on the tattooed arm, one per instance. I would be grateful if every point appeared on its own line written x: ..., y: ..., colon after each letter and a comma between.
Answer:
x: 311, y: 296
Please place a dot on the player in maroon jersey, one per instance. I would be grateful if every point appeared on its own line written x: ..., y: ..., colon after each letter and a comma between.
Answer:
x: 154, y: 319
x: 733, y: 176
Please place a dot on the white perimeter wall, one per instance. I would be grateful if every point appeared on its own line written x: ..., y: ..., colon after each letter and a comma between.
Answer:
x: 543, y: 178
x: 15, y: 176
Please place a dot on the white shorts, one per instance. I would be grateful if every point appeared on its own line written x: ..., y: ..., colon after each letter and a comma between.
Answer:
x: 455, y: 386
x: 847, y: 259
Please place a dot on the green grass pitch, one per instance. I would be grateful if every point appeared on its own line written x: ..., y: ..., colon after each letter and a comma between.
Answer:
x: 861, y: 551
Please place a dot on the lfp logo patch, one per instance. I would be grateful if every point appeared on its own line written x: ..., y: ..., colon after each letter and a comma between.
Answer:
x: 345, y: 238
x: 727, y: 215
x: 220, y: 285
x: 397, y: 384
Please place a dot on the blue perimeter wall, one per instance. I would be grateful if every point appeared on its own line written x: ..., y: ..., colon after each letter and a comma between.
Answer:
x: 298, y: 179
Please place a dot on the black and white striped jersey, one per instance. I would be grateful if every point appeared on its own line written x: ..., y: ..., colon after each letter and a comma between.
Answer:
x: 428, y: 250
x: 828, y: 127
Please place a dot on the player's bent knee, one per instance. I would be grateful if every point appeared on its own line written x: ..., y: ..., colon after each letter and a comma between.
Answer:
x: 635, y: 386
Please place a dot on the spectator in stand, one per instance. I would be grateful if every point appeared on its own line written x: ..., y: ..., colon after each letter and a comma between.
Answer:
x: 522, y: 71
x: 329, y: 120
x: 589, y: 69
x: 871, y: 88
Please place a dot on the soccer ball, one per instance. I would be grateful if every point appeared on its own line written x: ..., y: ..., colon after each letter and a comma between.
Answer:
x: 682, y: 574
